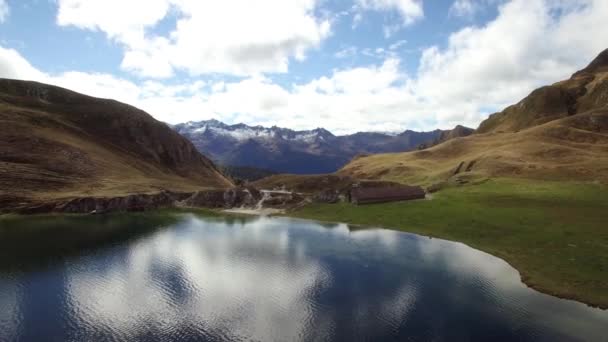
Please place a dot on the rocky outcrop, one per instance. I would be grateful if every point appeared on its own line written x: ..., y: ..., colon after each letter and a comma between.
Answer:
x: 280, y: 199
x: 99, y: 205
x: 231, y: 198
x: 327, y: 196
x: 127, y: 203
x: 457, y: 132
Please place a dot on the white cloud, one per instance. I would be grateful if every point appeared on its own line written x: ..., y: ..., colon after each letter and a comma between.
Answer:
x: 361, y: 80
x: 463, y: 8
x: 114, y: 17
x: 357, y: 18
x: 410, y: 10
x: 4, y: 10
x: 13, y: 65
x: 397, y: 45
x: 469, y: 8
x: 347, y: 52
x: 481, y: 69
x: 526, y: 46
x: 239, y: 37
x: 165, y: 102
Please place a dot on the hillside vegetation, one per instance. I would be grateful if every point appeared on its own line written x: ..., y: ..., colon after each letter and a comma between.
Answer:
x: 558, y: 132
x: 55, y: 143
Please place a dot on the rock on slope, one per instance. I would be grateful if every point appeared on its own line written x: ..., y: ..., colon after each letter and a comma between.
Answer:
x: 56, y: 143
x: 457, y: 132
x: 557, y: 132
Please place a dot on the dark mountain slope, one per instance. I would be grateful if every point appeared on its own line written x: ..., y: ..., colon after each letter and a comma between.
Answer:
x: 55, y: 142
x: 457, y: 132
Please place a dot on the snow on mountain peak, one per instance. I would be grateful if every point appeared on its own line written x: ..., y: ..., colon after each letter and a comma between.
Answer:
x: 241, y: 132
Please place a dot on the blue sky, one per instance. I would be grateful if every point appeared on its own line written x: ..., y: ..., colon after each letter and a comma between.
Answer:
x: 380, y: 65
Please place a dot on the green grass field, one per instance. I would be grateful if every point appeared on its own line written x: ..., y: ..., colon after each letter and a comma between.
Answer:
x: 554, y: 233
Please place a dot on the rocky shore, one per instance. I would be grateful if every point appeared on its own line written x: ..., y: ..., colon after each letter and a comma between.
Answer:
x: 243, y: 198
x: 238, y: 197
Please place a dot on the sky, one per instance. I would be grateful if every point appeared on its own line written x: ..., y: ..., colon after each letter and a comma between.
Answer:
x: 344, y: 65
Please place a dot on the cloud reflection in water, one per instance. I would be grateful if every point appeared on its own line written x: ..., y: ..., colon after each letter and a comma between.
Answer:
x: 282, y: 279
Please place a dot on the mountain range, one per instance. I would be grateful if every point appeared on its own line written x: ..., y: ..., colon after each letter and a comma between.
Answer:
x: 284, y: 150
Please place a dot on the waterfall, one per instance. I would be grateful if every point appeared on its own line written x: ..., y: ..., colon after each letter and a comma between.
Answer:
x: 265, y: 195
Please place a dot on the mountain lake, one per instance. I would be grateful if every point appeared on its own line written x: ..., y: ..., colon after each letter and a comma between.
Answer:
x: 191, y: 277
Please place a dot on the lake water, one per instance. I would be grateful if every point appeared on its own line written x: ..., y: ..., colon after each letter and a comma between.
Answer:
x: 152, y: 277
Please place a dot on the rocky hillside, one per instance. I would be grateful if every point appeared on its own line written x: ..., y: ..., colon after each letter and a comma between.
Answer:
x: 457, y: 132
x: 57, y: 143
x: 557, y: 132
x: 284, y: 150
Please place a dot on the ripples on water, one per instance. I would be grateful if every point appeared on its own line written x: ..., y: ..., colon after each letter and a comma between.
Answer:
x: 267, y: 279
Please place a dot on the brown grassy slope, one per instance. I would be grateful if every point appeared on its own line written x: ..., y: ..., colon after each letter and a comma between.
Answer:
x: 57, y: 143
x: 557, y: 132
x: 573, y: 148
x: 587, y: 89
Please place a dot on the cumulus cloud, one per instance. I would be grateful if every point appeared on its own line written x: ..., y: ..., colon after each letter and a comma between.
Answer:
x: 526, y: 46
x: 13, y: 65
x: 4, y: 10
x: 468, y: 9
x: 238, y: 37
x: 161, y: 100
x: 481, y: 69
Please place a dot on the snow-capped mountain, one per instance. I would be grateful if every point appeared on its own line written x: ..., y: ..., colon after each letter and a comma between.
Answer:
x: 285, y: 150
x: 241, y: 132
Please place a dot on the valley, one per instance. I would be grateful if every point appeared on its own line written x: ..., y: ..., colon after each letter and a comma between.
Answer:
x: 531, y: 190
x: 360, y: 170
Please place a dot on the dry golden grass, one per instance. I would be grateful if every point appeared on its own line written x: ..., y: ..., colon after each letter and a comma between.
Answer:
x: 574, y: 148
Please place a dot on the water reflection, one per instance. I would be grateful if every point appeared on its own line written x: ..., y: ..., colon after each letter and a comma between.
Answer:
x: 280, y: 279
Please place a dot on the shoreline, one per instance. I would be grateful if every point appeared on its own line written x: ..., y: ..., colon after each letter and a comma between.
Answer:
x: 552, y: 233
x: 524, y: 278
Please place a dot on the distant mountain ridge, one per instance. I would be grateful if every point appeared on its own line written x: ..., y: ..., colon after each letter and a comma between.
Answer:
x: 457, y: 132
x: 289, y: 151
